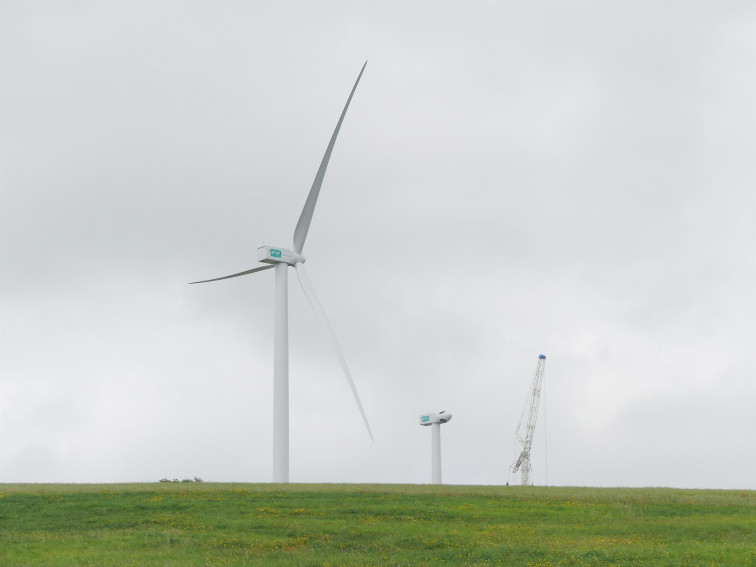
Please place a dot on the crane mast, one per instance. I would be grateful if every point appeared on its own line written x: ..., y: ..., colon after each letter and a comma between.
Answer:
x: 522, y: 464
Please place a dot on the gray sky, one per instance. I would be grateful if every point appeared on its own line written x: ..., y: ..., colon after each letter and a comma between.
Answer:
x: 513, y: 178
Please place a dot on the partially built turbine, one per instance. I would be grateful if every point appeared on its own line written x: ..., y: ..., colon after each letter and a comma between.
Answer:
x: 434, y: 420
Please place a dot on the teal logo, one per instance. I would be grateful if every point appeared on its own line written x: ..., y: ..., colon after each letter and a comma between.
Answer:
x: 426, y: 418
x: 275, y: 253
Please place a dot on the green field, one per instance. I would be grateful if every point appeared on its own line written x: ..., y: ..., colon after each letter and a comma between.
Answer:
x: 188, y: 524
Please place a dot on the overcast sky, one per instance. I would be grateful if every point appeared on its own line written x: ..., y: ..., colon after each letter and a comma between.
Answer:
x: 512, y: 178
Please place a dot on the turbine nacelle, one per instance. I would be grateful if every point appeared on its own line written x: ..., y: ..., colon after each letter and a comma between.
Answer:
x: 431, y: 418
x: 273, y: 255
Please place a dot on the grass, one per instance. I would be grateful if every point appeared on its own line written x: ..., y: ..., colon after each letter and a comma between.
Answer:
x: 203, y: 524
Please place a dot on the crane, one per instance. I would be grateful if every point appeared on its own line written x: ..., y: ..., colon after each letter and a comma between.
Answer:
x: 522, y: 464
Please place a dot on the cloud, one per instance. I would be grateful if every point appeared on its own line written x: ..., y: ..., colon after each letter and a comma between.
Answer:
x: 509, y: 181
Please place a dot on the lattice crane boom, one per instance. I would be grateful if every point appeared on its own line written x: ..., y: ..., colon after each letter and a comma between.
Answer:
x: 522, y: 464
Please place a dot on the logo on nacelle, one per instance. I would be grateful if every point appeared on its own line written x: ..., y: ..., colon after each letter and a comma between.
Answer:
x: 275, y: 253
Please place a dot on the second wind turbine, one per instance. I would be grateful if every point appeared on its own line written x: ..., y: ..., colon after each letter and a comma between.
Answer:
x: 281, y: 259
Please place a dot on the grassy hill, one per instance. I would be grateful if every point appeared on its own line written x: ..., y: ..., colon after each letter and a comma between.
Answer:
x: 203, y: 524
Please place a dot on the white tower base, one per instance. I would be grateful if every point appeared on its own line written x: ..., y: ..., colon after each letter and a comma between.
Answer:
x: 281, y: 378
x: 436, y: 453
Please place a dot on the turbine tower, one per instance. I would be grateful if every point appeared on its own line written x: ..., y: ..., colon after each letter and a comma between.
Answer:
x: 522, y: 464
x: 435, y: 420
x: 281, y: 259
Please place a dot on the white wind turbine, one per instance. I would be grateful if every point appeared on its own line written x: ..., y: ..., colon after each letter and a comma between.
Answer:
x: 281, y: 259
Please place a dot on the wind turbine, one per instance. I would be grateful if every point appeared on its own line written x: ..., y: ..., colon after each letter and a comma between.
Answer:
x: 281, y: 259
x: 435, y: 420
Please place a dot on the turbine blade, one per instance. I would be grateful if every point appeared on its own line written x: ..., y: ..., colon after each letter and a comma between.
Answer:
x: 253, y: 270
x: 312, y: 297
x: 303, y: 225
